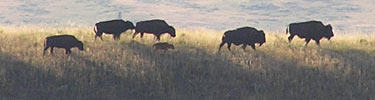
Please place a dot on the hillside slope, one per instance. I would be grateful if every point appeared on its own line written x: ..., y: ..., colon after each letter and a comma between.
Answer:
x: 342, y: 68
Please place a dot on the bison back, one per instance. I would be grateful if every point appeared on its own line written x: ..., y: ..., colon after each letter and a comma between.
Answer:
x: 242, y: 35
x: 305, y: 29
x: 61, y: 41
x: 152, y: 26
x: 113, y: 26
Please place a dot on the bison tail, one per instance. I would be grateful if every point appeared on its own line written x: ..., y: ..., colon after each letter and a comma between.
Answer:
x: 45, y: 43
x: 95, y: 29
x: 287, y: 31
x: 223, y: 38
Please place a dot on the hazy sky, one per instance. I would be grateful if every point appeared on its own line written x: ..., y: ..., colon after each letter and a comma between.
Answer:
x: 272, y: 15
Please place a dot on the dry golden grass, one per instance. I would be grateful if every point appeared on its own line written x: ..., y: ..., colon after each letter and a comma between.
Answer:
x: 341, y: 69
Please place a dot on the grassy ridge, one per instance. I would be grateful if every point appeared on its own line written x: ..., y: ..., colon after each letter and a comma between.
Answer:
x: 130, y: 69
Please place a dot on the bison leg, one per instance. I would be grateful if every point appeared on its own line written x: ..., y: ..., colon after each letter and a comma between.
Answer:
x: 101, y: 38
x: 158, y: 37
x: 221, y: 45
x: 229, y: 44
x: 290, y: 38
x: 44, y: 51
x: 68, y: 51
x: 135, y: 33
x: 317, y: 42
x: 142, y: 34
x: 307, y: 41
x: 252, y: 46
x: 51, y: 50
x: 116, y: 36
x: 99, y: 34
x: 244, y: 47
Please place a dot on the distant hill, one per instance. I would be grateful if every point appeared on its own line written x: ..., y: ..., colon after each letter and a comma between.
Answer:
x: 346, y: 15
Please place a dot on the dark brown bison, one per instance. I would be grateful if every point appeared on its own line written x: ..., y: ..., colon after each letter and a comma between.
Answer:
x: 163, y: 46
x: 62, y: 41
x: 114, y: 27
x: 245, y: 36
x: 310, y: 30
x: 156, y: 27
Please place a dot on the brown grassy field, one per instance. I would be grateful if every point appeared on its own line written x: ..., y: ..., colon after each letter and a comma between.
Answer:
x: 130, y: 69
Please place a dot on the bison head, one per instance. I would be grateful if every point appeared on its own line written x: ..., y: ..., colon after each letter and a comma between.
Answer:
x: 328, y: 33
x: 172, y: 31
x: 80, y: 45
x: 261, y: 39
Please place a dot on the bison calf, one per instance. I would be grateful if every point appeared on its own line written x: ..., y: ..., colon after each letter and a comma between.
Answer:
x: 314, y: 30
x: 163, y: 46
x: 245, y: 36
x: 62, y: 41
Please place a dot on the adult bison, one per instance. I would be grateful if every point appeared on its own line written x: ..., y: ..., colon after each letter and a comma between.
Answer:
x: 310, y: 30
x: 114, y: 27
x: 245, y: 36
x: 62, y: 41
x: 155, y: 26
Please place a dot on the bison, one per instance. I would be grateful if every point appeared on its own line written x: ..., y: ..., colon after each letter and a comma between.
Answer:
x: 62, y: 41
x: 163, y: 46
x: 310, y: 30
x: 156, y: 27
x: 245, y: 36
x: 114, y: 27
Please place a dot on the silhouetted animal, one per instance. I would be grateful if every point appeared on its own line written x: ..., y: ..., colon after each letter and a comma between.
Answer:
x: 245, y: 36
x: 114, y: 27
x: 156, y: 27
x: 310, y: 30
x: 163, y: 46
x: 62, y: 41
